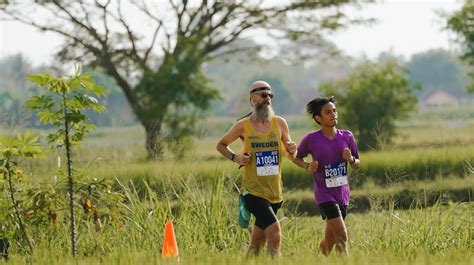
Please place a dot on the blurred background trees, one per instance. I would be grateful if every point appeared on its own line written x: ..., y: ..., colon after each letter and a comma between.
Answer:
x: 371, y: 99
x: 167, y: 84
x: 160, y: 72
x: 462, y: 22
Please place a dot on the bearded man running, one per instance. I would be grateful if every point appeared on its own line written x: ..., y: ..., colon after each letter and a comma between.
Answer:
x: 266, y: 138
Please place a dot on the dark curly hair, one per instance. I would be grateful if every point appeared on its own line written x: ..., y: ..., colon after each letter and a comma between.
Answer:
x: 314, y: 106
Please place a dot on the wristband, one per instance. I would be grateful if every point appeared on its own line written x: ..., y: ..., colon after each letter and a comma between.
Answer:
x: 353, y: 160
x: 307, y: 165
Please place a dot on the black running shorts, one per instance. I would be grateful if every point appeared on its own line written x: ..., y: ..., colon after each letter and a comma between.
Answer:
x: 263, y: 210
x: 330, y: 210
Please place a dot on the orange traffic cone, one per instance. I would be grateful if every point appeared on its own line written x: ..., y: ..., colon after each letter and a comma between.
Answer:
x: 170, y: 247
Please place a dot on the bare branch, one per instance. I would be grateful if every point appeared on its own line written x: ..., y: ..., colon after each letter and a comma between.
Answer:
x: 226, y: 40
x: 148, y: 51
x: 160, y: 24
x: 194, y: 16
x: 92, y: 31
x: 131, y: 38
x: 179, y: 15
x: 86, y: 13
x: 225, y: 18
x: 104, y: 17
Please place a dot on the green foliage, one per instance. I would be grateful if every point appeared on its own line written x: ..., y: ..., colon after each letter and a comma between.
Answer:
x: 133, y: 199
x: 461, y: 22
x: 205, y: 226
x: 178, y: 94
x: 371, y: 100
x: 64, y: 107
x: 11, y: 150
x: 193, y: 34
x: 66, y: 101
x: 12, y: 113
x: 437, y: 70
x: 13, y: 70
x: 25, y: 145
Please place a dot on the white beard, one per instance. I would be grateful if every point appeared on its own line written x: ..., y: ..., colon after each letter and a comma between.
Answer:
x: 263, y: 112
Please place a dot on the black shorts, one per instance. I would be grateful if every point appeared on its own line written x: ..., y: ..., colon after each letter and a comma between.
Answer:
x: 331, y: 210
x: 263, y: 210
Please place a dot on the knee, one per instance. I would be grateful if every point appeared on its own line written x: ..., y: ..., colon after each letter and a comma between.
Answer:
x: 274, y: 233
x: 257, y: 241
x: 274, y: 237
x: 342, y: 238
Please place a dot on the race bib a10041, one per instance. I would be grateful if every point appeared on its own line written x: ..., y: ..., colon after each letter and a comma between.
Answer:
x: 335, y: 174
x: 267, y: 163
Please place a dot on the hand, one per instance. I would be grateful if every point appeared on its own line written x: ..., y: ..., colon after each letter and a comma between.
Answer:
x: 291, y: 147
x: 242, y: 159
x: 346, y: 154
x: 313, y: 166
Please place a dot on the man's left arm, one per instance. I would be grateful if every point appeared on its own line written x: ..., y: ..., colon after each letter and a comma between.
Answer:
x: 290, y: 146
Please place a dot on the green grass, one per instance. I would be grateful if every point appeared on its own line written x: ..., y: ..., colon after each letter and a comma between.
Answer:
x: 204, y: 163
x: 126, y: 256
x: 436, y: 235
x: 430, y: 160
x: 402, y: 195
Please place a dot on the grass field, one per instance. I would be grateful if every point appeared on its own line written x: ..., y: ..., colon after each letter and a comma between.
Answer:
x: 412, y: 193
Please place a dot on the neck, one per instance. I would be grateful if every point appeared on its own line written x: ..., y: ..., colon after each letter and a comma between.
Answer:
x: 260, y: 120
x: 329, y: 132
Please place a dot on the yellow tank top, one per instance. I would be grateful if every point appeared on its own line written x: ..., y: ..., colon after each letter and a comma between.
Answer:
x: 262, y: 175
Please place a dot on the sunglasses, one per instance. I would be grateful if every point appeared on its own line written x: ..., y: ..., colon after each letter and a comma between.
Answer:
x: 265, y: 95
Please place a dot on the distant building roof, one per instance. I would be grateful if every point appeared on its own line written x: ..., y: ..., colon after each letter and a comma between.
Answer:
x: 440, y: 98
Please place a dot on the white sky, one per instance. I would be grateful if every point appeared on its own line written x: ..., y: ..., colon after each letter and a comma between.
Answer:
x: 404, y: 27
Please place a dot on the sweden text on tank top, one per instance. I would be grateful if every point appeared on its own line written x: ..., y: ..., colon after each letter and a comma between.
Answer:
x: 262, y: 175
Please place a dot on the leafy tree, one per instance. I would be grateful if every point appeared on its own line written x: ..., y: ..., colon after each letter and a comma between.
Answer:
x: 436, y: 70
x: 462, y: 23
x: 161, y: 72
x: 11, y: 150
x: 13, y: 70
x: 14, y: 91
x: 12, y: 112
x: 371, y: 99
x: 64, y: 107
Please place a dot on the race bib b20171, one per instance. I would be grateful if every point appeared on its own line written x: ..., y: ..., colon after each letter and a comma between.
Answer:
x: 336, y: 174
x: 267, y: 163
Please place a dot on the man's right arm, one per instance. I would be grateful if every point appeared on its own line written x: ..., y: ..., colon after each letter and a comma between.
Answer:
x: 302, y: 153
x: 312, y: 167
x: 223, y: 145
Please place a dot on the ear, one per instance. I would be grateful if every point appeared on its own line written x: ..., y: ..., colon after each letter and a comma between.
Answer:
x: 250, y: 100
x: 317, y: 118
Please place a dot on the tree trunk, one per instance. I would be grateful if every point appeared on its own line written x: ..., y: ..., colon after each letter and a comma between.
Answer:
x: 14, y: 201
x: 69, y: 176
x: 154, y: 146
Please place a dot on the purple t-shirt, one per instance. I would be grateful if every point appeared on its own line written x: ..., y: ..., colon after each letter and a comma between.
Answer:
x: 328, y: 153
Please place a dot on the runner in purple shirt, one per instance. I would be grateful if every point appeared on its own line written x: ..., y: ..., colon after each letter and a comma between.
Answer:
x: 332, y: 151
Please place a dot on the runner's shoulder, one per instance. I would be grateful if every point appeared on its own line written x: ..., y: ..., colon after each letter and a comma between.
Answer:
x: 240, y: 124
x: 312, y: 136
x: 345, y: 133
x: 280, y: 120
